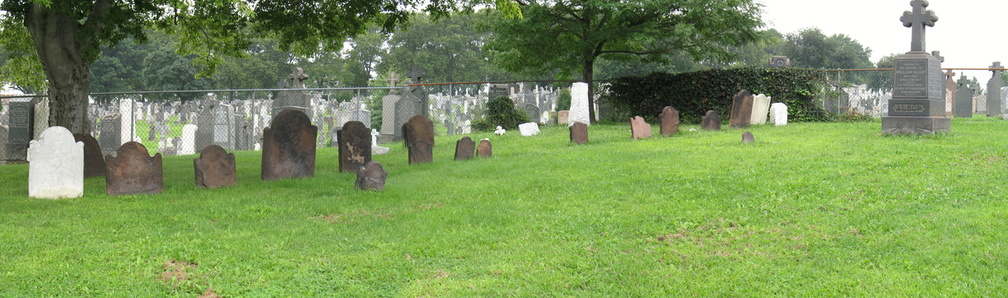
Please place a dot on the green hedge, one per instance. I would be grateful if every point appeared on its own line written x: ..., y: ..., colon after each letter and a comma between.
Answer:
x: 693, y: 93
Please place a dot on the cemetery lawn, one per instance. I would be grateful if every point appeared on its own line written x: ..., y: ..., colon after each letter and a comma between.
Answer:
x: 810, y: 209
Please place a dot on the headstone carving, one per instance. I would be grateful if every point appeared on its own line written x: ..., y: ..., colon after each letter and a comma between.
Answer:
x: 133, y: 171
x: 747, y: 137
x: 57, y: 166
x: 579, y: 104
x: 354, y: 146
x: 639, y: 129
x: 741, y: 111
x: 669, y: 121
x: 778, y: 114
x: 711, y: 121
x: 371, y: 176
x: 464, y: 149
x: 215, y: 168
x: 288, y: 149
x: 578, y: 133
x: 964, y: 98
x: 760, y: 109
x: 94, y: 162
x: 484, y: 149
x: 995, y: 104
x: 418, y: 134
x: 528, y: 129
x: 918, y: 102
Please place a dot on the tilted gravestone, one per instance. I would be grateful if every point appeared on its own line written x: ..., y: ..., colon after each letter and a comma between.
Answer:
x: 995, y: 107
x: 918, y: 102
x: 747, y: 137
x: 371, y: 176
x: 215, y: 168
x: 528, y: 129
x: 133, y: 171
x: 964, y: 98
x: 484, y: 149
x: 639, y: 129
x: 288, y: 149
x: 354, y: 146
x: 465, y: 148
x: 711, y: 121
x: 741, y: 111
x: 20, y: 129
x: 57, y: 166
x: 669, y: 121
x: 578, y: 133
x: 760, y: 109
x: 94, y: 162
x: 418, y: 134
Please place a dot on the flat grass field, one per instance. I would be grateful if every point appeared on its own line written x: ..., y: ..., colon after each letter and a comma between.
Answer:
x: 809, y: 209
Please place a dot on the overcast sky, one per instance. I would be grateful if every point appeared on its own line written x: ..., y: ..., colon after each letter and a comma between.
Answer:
x: 969, y: 33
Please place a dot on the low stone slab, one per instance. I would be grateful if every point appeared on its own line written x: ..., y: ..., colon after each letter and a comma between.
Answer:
x: 418, y: 133
x: 94, y: 162
x: 639, y: 129
x: 288, y: 149
x: 747, y: 137
x: 133, y: 171
x: 215, y: 168
x: 528, y: 129
x: 578, y: 133
x: 56, y: 168
x: 669, y: 121
x: 371, y: 176
x: 711, y: 121
x: 485, y: 149
x: 464, y: 148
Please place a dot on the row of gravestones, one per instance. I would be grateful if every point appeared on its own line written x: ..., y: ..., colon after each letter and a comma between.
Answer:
x: 746, y: 110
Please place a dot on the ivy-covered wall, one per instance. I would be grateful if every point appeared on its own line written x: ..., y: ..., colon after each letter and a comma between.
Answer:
x: 693, y: 93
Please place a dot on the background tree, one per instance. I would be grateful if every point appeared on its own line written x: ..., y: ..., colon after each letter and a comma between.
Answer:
x: 810, y: 48
x: 571, y: 35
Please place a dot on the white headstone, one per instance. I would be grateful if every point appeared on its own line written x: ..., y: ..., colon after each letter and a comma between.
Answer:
x: 188, y: 140
x: 528, y: 129
x: 126, y: 121
x: 375, y: 149
x: 760, y: 108
x: 778, y: 114
x: 56, y: 168
x: 579, y: 104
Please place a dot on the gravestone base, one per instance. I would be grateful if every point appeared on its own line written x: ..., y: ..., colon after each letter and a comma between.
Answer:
x: 915, y: 125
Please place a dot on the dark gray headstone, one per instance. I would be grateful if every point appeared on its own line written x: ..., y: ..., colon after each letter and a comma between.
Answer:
x: 110, y: 137
x: 532, y: 111
x: 741, y: 111
x: 995, y: 106
x: 296, y: 98
x: 918, y: 102
x: 20, y: 129
x: 288, y: 148
x: 354, y: 141
x: 669, y: 121
x: 747, y: 137
x: 133, y: 171
x: 465, y: 148
x: 964, y: 98
x: 711, y: 121
x: 94, y: 162
x: 406, y: 108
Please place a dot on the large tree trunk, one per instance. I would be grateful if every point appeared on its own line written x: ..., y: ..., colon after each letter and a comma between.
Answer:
x: 588, y: 72
x: 65, y: 67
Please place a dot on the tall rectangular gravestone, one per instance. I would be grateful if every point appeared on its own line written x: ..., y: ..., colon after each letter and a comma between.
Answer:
x: 995, y: 105
x: 918, y: 102
x: 964, y: 98
x: 20, y: 129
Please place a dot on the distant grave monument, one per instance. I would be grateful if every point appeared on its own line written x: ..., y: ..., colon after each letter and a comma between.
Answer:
x: 297, y: 98
x: 465, y: 148
x: 418, y: 134
x: 579, y: 104
x: 995, y: 104
x: 964, y: 98
x: 388, y: 126
x: 20, y: 129
x: 288, y: 149
x: 669, y: 121
x: 918, y: 102
x: 711, y: 121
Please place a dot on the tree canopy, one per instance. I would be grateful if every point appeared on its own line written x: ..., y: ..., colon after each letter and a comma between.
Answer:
x: 568, y: 36
x: 810, y: 48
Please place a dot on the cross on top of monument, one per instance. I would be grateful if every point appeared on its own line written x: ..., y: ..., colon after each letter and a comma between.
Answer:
x: 393, y: 79
x: 963, y: 81
x: 298, y: 76
x: 937, y: 54
x: 996, y: 67
x: 917, y: 19
x: 416, y: 74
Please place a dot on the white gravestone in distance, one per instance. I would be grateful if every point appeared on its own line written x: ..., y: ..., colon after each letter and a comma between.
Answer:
x: 188, y: 140
x: 528, y: 129
x: 760, y: 108
x: 579, y: 104
x: 56, y: 168
x: 778, y: 114
x: 375, y: 149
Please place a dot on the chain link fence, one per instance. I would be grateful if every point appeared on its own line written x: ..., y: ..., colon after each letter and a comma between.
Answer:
x: 866, y: 92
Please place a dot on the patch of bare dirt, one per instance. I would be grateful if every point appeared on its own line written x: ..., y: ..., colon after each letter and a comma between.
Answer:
x: 175, y: 272
x: 209, y: 294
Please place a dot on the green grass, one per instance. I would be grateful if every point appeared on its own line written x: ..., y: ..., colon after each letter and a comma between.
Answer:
x: 810, y: 209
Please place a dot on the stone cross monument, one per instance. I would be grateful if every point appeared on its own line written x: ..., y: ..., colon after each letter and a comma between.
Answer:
x: 918, y: 102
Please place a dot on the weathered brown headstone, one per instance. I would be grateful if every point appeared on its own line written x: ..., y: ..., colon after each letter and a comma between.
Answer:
x: 741, y: 110
x: 747, y: 137
x: 464, y: 148
x: 288, y: 149
x: 639, y: 129
x: 94, y: 163
x: 711, y: 121
x: 669, y: 121
x: 418, y: 134
x: 354, y: 141
x: 578, y: 133
x: 484, y: 149
x: 133, y: 171
x: 215, y: 168
x: 371, y: 176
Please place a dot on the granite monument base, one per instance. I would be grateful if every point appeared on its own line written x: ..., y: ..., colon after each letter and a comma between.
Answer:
x: 916, y: 125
